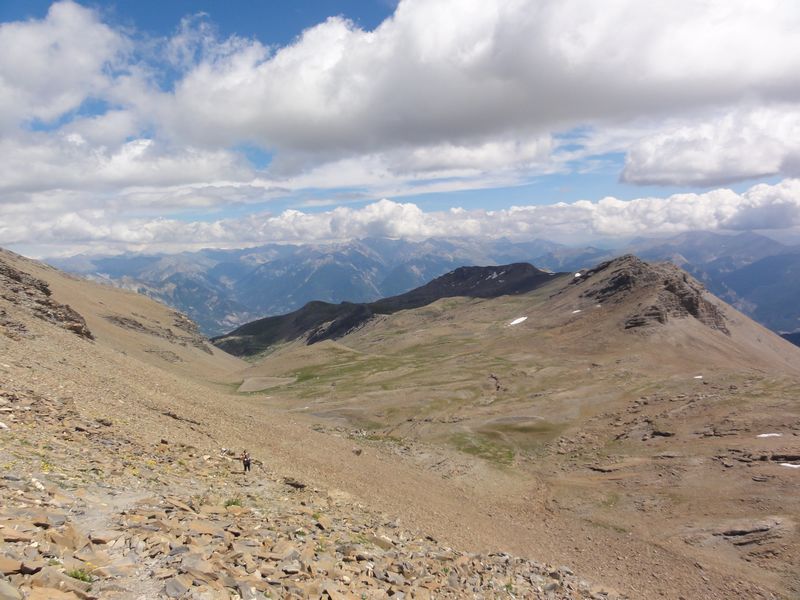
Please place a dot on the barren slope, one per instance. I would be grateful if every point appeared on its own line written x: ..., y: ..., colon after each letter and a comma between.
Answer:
x: 116, y: 469
x: 481, y: 435
x: 626, y: 408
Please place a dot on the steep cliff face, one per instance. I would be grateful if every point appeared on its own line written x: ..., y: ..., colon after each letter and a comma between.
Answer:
x: 663, y: 292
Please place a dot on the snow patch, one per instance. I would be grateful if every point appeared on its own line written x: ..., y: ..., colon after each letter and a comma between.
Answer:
x: 577, y: 274
x: 518, y: 320
x: 790, y: 465
x: 698, y: 376
x: 766, y: 435
x: 575, y: 312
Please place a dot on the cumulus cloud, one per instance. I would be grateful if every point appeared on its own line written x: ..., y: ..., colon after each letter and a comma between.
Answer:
x: 109, y: 138
x: 740, y: 144
x: 70, y: 161
x: 52, y: 66
x: 763, y: 207
x: 463, y: 70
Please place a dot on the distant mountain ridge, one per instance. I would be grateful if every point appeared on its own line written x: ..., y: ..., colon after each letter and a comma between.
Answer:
x: 318, y: 321
x: 792, y: 337
x: 223, y: 289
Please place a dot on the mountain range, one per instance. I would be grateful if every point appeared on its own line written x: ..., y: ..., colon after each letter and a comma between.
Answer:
x: 224, y: 289
x: 508, y: 433
x: 633, y: 397
x: 318, y: 321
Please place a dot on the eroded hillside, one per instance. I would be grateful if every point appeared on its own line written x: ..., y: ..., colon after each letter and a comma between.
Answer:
x: 624, y: 398
x: 564, y: 438
x: 119, y: 480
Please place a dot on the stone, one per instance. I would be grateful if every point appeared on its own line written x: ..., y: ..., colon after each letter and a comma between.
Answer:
x: 68, y: 537
x: 291, y: 568
x: 284, y: 550
x: 50, y: 578
x: 51, y: 594
x: 176, y: 587
x: 105, y: 536
x: 291, y: 482
x: 15, y: 535
x: 381, y: 542
x: 333, y: 593
x: 179, y: 504
x: 9, y: 592
x: 247, y: 591
x: 205, y: 528
x: 89, y: 555
x: 324, y: 523
x: 9, y: 566
x: 31, y: 566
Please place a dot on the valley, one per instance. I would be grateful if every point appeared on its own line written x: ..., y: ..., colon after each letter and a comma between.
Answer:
x: 399, y: 300
x: 660, y: 445
x: 613, y: 435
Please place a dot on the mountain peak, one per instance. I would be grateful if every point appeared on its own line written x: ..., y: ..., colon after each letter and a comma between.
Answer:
x: 482, y: 282
x: 662, y: 291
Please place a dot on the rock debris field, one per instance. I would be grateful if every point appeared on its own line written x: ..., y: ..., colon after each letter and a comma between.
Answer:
x: 87, y: 513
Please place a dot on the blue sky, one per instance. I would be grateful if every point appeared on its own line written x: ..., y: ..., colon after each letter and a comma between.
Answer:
x: 181, y: 124
x: 277, y: 22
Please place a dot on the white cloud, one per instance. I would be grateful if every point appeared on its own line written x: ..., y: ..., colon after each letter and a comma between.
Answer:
x: 444, y: 95
x: 50, y: 67
x: 465, y: 72
x: 68, y: 160
x: 764, y: 207
x: 744, y: 143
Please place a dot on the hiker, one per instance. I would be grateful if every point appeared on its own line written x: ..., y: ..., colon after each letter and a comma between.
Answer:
x: 245, y: 461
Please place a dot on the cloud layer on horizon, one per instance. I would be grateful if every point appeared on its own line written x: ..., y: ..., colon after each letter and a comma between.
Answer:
x: 103, y: 130
x: 762, y: 207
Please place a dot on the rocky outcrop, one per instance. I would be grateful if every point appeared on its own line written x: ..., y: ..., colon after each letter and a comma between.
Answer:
x: 33, y: 296
x: 664, y: 292
x: 188, y: 334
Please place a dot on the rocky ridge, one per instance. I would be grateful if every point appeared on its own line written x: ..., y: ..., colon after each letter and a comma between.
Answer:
x: 189, y: 336
x: 675, y: 293
x: 319, y: 321
x: 34, y: 297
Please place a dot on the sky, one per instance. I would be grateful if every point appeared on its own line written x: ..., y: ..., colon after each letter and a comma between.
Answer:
x: 175, y: 125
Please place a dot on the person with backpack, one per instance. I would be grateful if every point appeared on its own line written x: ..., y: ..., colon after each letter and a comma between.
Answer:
x: 245, y: 461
